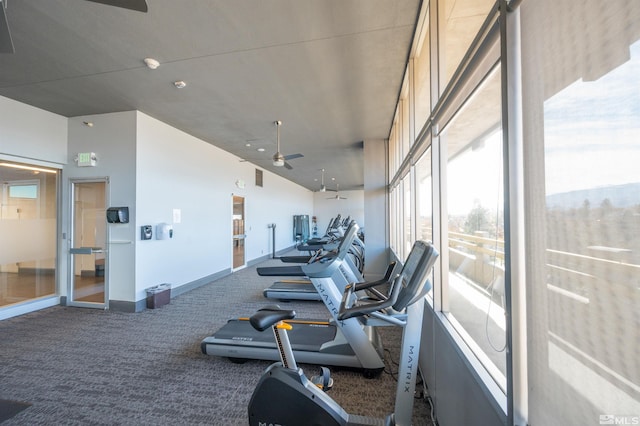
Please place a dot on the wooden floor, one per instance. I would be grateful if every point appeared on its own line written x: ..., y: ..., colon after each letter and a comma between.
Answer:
x: 28, y: 285
x: 238, y: 254
x: 89, y: 288
x: 25, y: 285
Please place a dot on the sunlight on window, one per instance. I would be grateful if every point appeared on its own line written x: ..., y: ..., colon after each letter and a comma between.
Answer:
x: 592, y: 133
x: 592, y: 152
x: 475, y: 204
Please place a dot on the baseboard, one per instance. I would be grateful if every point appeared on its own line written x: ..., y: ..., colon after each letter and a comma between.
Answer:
x: 269, y: 256
x: 118, y: 305
x: 128, y: 307
x: 140, y: 305
x: 37, y: 271
x: 199, y: 282
x: 258, y: 260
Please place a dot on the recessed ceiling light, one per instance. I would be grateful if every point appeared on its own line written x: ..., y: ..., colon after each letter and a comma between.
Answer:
x: 260, y: 149
x: 247, y: 144
x: 180, y: 84
x: 151, y: 63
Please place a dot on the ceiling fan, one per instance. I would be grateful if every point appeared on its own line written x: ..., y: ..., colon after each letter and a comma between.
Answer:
x: 337, y: 196
x: 6, y: 43
x: 323, y: 187
x: 279, y: 160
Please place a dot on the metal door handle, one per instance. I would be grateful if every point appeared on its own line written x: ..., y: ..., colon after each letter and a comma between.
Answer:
x: 86, y: 250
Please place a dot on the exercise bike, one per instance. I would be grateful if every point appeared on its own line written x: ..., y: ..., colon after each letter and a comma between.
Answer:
x: 285, y: 396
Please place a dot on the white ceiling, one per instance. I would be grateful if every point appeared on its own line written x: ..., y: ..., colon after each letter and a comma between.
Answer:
x: 330, y: 70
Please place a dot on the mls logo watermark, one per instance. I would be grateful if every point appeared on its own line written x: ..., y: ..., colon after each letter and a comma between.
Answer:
x: 613, y: 419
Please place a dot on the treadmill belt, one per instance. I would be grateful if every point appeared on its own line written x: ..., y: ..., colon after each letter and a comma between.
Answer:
x: 306, y: 335
x: 281, y: 271
x: 292, y: 290
x: 310, y: 247
x: 295, y: 259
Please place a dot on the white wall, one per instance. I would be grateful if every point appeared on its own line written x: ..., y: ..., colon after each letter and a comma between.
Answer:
x: 276, y: 202
x: 154, y: 169
x: 32, y: 133
x: 376, y: 207
x: 177, y: 171
x: 326, y: 209
x: 112, y: 139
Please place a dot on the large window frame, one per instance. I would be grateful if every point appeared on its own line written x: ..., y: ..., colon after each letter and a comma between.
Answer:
x: 589, y: 56
x: 29, y: 264
x: 485, y: 53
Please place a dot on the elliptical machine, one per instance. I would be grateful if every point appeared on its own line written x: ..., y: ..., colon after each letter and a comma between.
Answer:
x: 284, y: 395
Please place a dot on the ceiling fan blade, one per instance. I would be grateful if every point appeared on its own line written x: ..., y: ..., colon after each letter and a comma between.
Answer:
x: 292, y: 156
x: 287, y: 166
x: 6, y: 43
x: 139, y: 5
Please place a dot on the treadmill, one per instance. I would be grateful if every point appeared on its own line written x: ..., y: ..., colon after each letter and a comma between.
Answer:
x: 335, y: 231
x: 300, y: 289
x: 347, y: 343
x: 303, y: 289
x: 330, y: 241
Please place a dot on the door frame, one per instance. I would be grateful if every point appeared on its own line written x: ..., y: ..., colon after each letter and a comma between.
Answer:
x: 70, y: 238
x: 234, y: 236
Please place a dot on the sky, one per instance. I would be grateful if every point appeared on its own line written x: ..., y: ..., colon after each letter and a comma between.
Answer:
x: 592, y: 131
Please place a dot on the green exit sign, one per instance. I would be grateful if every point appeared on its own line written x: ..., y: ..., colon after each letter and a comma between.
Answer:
x: 86, y: 159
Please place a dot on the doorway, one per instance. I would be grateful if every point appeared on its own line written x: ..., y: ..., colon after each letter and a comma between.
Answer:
x: 87, y: 256
x: 238, y: 232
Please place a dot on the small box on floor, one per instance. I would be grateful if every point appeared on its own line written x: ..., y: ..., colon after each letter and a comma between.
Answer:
x: 158, y: 296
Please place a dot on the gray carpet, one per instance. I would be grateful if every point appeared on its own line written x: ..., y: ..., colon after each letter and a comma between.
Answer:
x: 83, y: 366
x: 9, y: 408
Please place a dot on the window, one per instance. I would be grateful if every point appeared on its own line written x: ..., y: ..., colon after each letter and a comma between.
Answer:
x: 422, y: 78
x: 460, y: 21
x: 28, y: 218
x: 451, y: 190
x: 407, y: 235
x: 476, y: 226
x: 394, y: 149
x: 393, y: 220
x: 424, y: 204
x: 406, y: 134
x: 24, y: 190
x: 581, y: 115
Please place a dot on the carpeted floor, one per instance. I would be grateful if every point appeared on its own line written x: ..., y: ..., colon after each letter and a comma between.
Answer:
x: 9, y: 409
x: 82, y: 366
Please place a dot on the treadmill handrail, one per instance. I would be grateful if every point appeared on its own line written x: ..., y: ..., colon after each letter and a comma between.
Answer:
x: 387, y: 276
x: 327, y: 265
x: 361, y: 309
x: 407, y: 287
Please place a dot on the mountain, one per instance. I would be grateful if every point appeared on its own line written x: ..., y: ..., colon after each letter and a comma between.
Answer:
x: 619, y: 196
